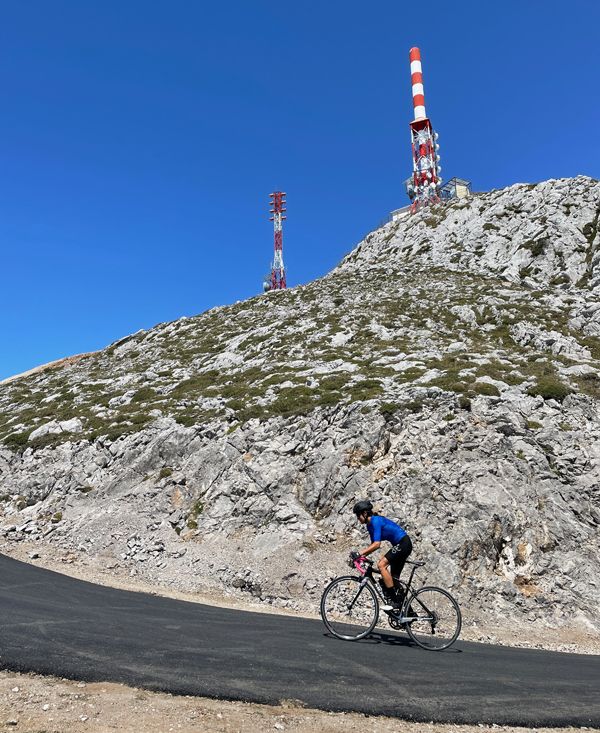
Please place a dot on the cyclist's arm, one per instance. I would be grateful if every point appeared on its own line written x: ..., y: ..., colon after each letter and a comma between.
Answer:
x: 375, y: 533
x: 371, y: 548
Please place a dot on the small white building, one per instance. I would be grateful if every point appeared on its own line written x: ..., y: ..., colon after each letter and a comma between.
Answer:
x: 455, y: 188
x: 400, y: 213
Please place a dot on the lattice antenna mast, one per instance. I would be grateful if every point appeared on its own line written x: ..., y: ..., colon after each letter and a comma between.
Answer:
x: 423, y: 188
x: 278, y: 209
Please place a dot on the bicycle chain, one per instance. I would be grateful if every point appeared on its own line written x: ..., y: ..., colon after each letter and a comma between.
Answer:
x: 393, y: 621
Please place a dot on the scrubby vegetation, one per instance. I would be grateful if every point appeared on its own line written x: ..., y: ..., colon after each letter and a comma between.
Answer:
x: 335, y: 341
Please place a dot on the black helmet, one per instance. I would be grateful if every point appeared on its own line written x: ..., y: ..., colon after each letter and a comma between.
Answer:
x: 363, y: 506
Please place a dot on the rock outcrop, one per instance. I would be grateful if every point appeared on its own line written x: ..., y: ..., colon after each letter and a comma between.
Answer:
x: 461, y: 396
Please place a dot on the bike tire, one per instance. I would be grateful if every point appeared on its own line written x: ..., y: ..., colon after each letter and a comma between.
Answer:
x: 354, y: 623
x: 438, y: 618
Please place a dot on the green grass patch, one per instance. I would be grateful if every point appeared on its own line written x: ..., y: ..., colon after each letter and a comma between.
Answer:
x: 550, y: 388
x: 293, y: 401
x: 589, y: 384
x: 502, y: 372
x: 145, y: 394
x: 486, y: 389
x: 15, y: 441
x: 333, y: 383
x: 464, y: 403
x: 330, y: 398
x: 449, y: 383
x: 196, y: 385
x: 367, y: 389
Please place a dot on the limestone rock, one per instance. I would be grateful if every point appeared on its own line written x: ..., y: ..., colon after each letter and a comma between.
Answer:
x: 447, y: 369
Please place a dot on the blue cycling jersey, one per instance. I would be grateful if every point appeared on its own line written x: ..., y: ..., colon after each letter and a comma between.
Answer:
x: 383, y: 529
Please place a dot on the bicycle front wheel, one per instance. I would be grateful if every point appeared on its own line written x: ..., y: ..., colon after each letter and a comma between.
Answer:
x: 349, y: 608
x: 437, y: 618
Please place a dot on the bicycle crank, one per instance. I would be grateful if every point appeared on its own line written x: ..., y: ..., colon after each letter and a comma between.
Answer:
x: 394, y: 621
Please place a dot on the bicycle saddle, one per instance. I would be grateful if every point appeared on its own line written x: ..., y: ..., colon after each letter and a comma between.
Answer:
x: 416, y: 563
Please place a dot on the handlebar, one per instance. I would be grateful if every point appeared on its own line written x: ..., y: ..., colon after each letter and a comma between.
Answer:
x: 360, y: 563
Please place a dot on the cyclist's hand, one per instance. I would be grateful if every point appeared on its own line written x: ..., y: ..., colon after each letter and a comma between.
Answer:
x: 353, y: 558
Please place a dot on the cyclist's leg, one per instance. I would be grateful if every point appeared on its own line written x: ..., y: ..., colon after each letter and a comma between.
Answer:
x: 384, y: 568
x: 397, y: 557
x: 387, y: 584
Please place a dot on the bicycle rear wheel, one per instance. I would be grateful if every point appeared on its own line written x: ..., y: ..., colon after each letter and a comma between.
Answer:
x: 349, y: 610
x: 437, y: 621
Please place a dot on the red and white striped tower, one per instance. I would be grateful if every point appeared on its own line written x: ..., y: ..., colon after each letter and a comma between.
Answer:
x: 423, y: 187
x: 278, y: 209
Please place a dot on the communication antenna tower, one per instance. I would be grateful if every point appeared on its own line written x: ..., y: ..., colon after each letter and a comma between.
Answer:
x: 423, y: 187
x: 276, y: 280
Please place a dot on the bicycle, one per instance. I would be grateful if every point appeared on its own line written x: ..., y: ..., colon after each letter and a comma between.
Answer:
x: 350, y: 608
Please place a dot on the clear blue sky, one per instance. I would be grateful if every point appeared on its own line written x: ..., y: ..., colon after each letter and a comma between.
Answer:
x: 139, y: 141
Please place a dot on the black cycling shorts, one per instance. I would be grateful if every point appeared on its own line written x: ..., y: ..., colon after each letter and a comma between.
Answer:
x: 398, y: 555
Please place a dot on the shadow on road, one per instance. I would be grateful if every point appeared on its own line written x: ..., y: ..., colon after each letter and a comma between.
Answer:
x: 379, y: 637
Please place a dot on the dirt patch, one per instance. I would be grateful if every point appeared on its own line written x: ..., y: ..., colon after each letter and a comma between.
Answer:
x: 34, y: 704
x: 50, y: 365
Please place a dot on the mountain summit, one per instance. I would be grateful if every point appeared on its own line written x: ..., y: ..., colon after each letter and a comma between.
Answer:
x: 447, y: 368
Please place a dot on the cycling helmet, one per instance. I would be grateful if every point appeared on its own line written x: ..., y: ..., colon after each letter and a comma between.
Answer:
x: 363, y: 506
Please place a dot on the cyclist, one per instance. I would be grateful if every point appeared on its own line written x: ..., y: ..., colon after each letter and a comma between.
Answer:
x: 384, y: 529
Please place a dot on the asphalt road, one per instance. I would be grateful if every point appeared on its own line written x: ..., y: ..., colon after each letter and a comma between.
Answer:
x: 53, y: 624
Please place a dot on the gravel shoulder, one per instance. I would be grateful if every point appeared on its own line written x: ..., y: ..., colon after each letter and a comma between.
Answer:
x: 34, y: 704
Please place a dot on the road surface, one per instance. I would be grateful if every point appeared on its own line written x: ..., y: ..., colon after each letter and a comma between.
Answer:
x: 53, y: 624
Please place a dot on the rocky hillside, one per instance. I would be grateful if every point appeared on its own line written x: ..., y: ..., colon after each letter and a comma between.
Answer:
x: 448, y: 368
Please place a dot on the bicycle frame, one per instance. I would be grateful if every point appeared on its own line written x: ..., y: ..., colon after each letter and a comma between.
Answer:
x: 368, y: 572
